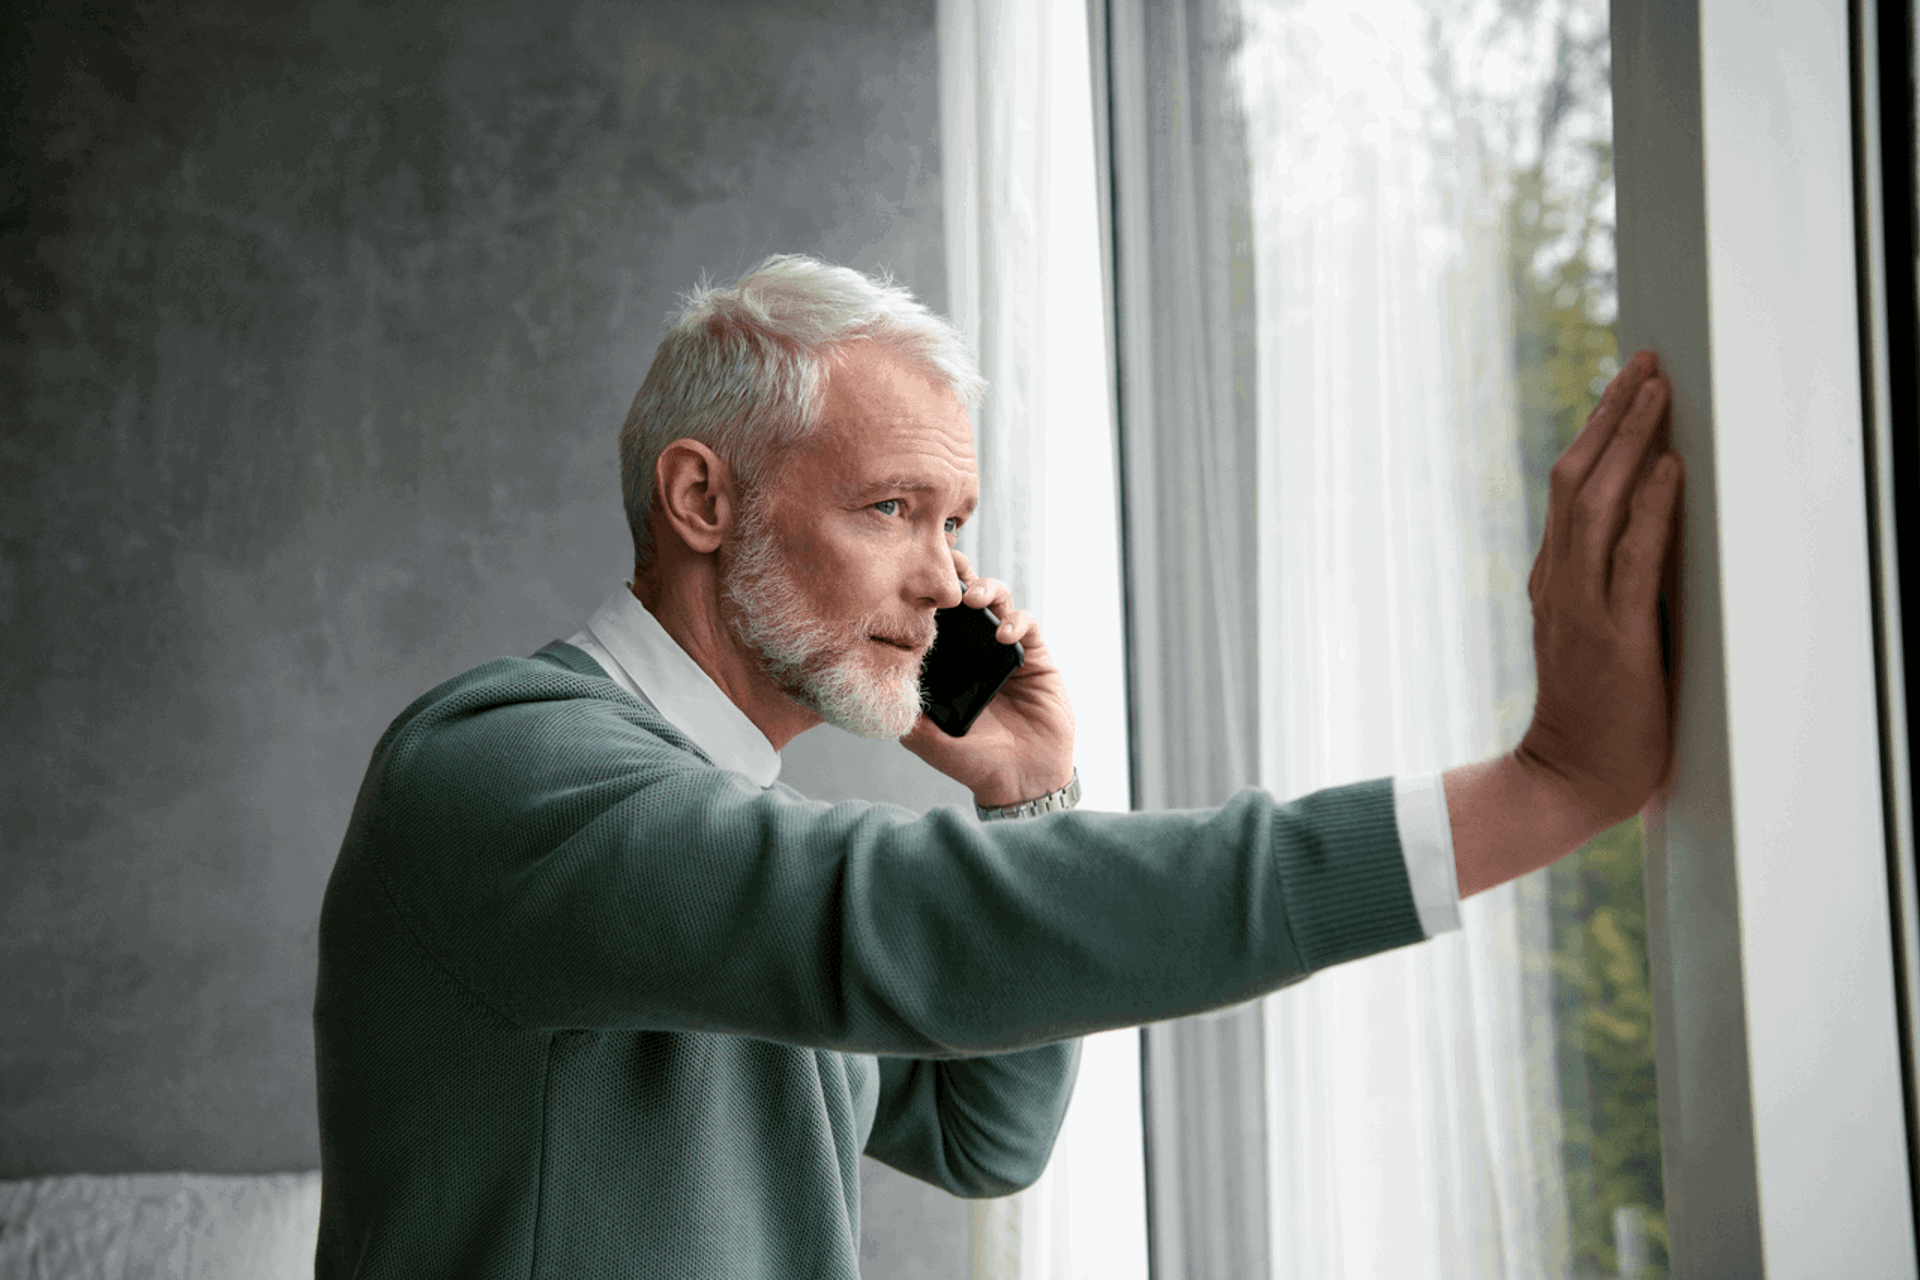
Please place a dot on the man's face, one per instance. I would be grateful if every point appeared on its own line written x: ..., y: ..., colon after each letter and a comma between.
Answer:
x: 840, y: 562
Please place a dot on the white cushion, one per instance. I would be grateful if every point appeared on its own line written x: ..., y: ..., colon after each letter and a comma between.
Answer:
x: 160, y: 1226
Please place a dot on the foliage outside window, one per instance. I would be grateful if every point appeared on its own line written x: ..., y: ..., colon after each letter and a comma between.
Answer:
x: 1561, y: 229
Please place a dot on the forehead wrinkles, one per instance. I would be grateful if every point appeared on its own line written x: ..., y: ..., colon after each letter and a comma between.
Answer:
x: 889, y: 434
x: 924, y: 443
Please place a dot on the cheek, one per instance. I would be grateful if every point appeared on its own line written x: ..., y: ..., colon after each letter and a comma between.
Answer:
x: 813, y: 557
x: 848, y: 576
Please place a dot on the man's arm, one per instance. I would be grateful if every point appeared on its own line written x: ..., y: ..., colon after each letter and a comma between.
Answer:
x: 570, y: 866
x: 1600, y: 745
x: 974, y: 1127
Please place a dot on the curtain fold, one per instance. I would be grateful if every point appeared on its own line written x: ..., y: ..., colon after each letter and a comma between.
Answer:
x: 1025, y: 285
x: 1190, y: 450
x: 1415, y: 1125
x: 1325, y: 535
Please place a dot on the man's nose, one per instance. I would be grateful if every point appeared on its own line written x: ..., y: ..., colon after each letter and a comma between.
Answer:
x: 937, y: 579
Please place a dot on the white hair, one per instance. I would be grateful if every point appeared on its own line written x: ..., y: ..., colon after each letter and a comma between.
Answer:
x: 744, y: 369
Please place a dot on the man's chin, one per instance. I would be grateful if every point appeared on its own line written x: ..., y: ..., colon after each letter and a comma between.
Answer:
x: 888, y: 724
x: 867, y: 705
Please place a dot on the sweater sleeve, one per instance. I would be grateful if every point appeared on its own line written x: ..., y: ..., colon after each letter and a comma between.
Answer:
x: 569, y: 864
x: 974, y: 1127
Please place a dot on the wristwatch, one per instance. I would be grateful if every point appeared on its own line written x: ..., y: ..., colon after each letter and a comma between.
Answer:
x: 1052, y: 802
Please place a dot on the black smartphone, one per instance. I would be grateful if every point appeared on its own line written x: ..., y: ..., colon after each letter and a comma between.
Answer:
x: 965, y: 667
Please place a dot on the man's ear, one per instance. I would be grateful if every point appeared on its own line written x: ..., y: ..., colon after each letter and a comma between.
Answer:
x: 693, y: 492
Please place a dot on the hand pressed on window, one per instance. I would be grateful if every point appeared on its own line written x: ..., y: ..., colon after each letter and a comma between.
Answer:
x: 1600, y: 744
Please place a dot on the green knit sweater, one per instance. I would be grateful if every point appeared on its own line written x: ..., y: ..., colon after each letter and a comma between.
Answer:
x: 590, y: 1006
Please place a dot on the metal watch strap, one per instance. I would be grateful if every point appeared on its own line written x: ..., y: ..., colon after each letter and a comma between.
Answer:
x: 1052, y: 802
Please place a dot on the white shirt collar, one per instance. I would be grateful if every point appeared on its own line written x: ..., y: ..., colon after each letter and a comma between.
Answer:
x: 650, y: 664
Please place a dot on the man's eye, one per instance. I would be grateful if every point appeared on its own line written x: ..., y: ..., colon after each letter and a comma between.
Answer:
x: 953, y: 525
x: 887, y: 506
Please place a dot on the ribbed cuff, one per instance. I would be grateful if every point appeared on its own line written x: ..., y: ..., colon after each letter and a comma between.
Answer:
x: 1344, y: 875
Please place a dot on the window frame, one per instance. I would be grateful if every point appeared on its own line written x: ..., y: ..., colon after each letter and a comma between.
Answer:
x: 1776, y: 1014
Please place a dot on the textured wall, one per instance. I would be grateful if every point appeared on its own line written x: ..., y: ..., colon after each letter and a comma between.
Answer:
x: 319, y: 326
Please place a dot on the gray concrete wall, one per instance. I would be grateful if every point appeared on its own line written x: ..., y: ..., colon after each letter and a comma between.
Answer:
x: 319, y: 324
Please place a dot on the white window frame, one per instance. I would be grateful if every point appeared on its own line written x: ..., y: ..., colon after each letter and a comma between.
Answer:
x: 1773, y: 944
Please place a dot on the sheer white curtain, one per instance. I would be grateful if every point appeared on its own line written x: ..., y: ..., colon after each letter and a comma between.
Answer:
x: 1320, y: 428
x: 1024, y: 283
x: 1412, y: 1113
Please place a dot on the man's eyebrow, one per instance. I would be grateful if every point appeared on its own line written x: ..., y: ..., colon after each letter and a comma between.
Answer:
x: 877, y: 489
x: 899, y: 484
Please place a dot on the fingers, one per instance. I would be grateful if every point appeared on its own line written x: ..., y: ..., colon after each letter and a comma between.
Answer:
x: 1586, y: 448
x: 962, y: 565
x: 988, y: 593
x: 991, y: 593
x: 1570, y: 473
x: 1596, y: 484
x: 1602, y: 507
x: 1016, y: 625
x: 1641, y: 554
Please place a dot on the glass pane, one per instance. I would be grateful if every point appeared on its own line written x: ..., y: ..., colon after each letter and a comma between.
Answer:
x: 1433, y: 312
x: 1561, y: 255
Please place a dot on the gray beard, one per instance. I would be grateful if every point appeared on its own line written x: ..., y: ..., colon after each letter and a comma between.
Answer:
x: 817, y: 664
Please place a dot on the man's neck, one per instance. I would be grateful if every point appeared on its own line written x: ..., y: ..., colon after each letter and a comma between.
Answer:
x: 687, y: 605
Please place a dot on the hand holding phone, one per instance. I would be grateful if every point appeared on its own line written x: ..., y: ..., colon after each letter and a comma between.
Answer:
x: 965, y: 668
x: 1024, y: 749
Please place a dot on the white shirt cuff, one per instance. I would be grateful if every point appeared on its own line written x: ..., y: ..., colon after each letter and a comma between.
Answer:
x: 1426, y: 842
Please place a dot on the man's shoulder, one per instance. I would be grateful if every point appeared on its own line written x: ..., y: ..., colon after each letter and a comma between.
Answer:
x: 557, y: 689
x: 557, y: 673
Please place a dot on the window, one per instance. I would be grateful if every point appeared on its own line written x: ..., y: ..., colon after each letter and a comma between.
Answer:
x: 1364, y: 278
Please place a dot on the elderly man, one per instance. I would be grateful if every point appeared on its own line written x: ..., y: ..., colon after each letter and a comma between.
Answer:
x: 599, y: 997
